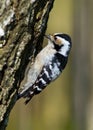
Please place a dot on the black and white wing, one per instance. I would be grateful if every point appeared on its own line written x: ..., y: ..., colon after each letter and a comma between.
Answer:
x: 48, y: 73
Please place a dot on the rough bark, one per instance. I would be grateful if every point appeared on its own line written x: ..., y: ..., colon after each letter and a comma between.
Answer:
x: 22, y: 26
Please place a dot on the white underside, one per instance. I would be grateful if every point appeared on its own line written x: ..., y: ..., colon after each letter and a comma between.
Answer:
x: 43, y: 58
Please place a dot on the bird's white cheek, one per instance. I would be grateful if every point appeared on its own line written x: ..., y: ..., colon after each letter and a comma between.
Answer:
x: 63, y: 51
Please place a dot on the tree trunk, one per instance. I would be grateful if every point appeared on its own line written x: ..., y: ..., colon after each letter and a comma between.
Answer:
x: 22, y: 26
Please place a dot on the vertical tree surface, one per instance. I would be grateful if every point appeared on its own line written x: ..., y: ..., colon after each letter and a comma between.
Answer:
x: 22, y: 26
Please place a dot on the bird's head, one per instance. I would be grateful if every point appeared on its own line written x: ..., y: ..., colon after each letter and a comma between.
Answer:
x: 62, y: 43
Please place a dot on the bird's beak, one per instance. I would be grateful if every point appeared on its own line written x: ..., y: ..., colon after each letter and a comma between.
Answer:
x: 50, y: 37
x: 47, y: 36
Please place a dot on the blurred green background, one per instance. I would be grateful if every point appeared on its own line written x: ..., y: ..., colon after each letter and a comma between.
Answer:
x: 67, y: 103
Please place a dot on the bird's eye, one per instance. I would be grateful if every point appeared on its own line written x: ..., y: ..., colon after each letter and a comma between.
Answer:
x: 55, y: 38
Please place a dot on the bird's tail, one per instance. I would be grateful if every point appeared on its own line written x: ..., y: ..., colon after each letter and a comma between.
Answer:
x: 28, y: 94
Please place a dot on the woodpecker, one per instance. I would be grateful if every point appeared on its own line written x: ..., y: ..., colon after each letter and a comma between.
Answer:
x: 48, y: 65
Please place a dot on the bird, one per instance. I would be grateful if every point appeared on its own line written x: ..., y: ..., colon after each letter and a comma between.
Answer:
x: 48, y: 65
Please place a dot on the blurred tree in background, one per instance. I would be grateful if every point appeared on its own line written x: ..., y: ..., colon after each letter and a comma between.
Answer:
x: 82, y: 64
x: 67, y: 103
